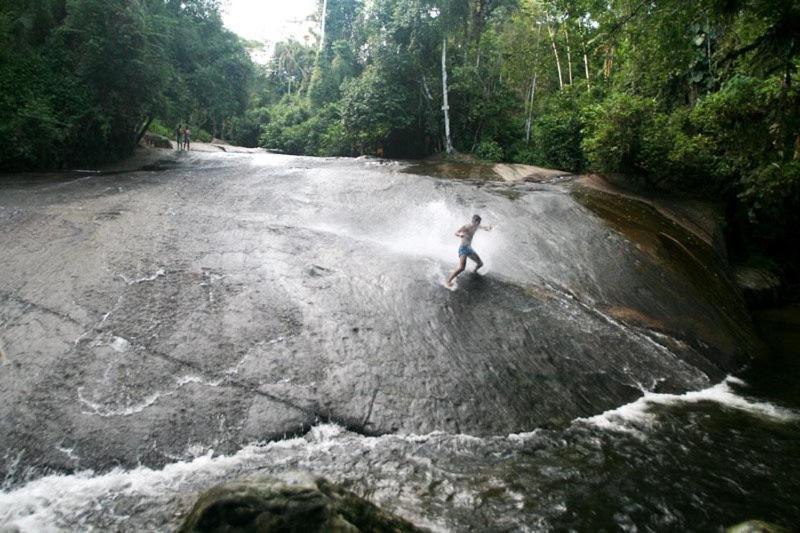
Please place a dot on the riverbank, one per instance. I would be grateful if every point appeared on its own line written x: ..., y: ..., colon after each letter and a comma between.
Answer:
x: 151, y: 158
x: 468, y: 167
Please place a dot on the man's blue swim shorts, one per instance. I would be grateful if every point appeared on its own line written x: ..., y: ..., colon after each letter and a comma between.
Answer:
x: 466, y: 250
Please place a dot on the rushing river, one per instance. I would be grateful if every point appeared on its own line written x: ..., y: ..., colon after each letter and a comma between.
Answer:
x: 224, y: 315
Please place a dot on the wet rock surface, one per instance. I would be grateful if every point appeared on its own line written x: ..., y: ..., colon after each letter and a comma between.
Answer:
x: 681, y: 241
x: 231, y: 298
x: 760, y: 286
x: 301, y: 504
x: 478, y: 171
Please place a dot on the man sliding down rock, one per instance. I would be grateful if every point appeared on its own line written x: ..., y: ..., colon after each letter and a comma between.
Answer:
x: 467, y: 232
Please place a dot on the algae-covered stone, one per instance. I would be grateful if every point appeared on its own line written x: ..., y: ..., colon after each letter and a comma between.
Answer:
x: 158, y: 141
x: 758, y: 285
x: 756, y: 526
x: 301, y: 505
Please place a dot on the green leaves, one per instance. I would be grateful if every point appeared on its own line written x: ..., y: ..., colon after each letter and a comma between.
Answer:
x: 613, y: 135
x: 85, y: 74
x: 373, y: 109
x: 489, y: 151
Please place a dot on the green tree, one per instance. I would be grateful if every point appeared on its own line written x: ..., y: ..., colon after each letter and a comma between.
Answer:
x: 81, y: 80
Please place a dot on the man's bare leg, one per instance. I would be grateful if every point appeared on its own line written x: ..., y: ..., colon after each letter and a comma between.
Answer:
x: 477, y: 259
x: 462, y: 265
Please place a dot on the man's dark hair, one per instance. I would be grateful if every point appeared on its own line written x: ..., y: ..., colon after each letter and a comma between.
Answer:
x: 475, y: 219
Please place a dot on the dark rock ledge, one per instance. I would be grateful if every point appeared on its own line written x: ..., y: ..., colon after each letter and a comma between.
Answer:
x: 302, y: 504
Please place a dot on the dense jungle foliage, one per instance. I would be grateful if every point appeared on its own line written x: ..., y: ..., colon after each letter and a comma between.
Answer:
x: 81, y: 80
x: 697, y: 98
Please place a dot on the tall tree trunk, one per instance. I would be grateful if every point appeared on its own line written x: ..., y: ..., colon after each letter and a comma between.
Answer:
x: 569, y: 55
x: 143, y: 129
x: 499, y: 69
x: 608, y: 63
x: 708, y: 53
x: 476, y: 136
x: 555, y: 52
x: 425, y: 87
x: 529, y: 120
x: 324, y: 16
x: 466, y: 39
x: 448, y: 145
x: 585, y: 60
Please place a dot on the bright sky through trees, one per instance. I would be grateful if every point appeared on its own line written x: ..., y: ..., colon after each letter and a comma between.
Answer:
x: 269, y: 20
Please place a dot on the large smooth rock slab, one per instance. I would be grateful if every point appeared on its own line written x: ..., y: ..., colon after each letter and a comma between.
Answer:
x: 215, y: 300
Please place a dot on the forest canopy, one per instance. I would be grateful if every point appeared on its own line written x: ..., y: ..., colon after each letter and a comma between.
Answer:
x: 82, y: 80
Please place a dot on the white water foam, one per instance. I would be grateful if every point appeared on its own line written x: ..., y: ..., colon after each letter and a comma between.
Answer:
x: 43, y: 505
x: 429, y: 230
x: 158, y: 274
x: 85, y: 501
x: 105, y: 411
x: 631, y: 417
x: 426, y: 230
x: 119, y: 344
x: 149, y: 499
x: 67, y: 502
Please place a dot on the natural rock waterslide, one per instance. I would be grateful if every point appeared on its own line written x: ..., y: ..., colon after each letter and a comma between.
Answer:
x: 232, y: 298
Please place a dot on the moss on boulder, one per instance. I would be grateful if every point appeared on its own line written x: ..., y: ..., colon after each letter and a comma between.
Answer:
x: 756, y: 526
x: 303, y: 505
x: 157, y: 141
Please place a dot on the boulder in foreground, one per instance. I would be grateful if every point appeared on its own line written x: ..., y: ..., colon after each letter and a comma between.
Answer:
x: 756, y: 526
x: 302, y: 505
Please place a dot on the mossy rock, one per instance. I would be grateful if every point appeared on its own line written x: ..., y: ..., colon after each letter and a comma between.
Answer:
x: 304, y: 505
x: 158, y: 141
x: 756, y: 526
x: 759, y: 285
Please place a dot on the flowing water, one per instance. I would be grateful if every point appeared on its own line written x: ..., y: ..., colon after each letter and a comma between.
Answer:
x: 227, y: 315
